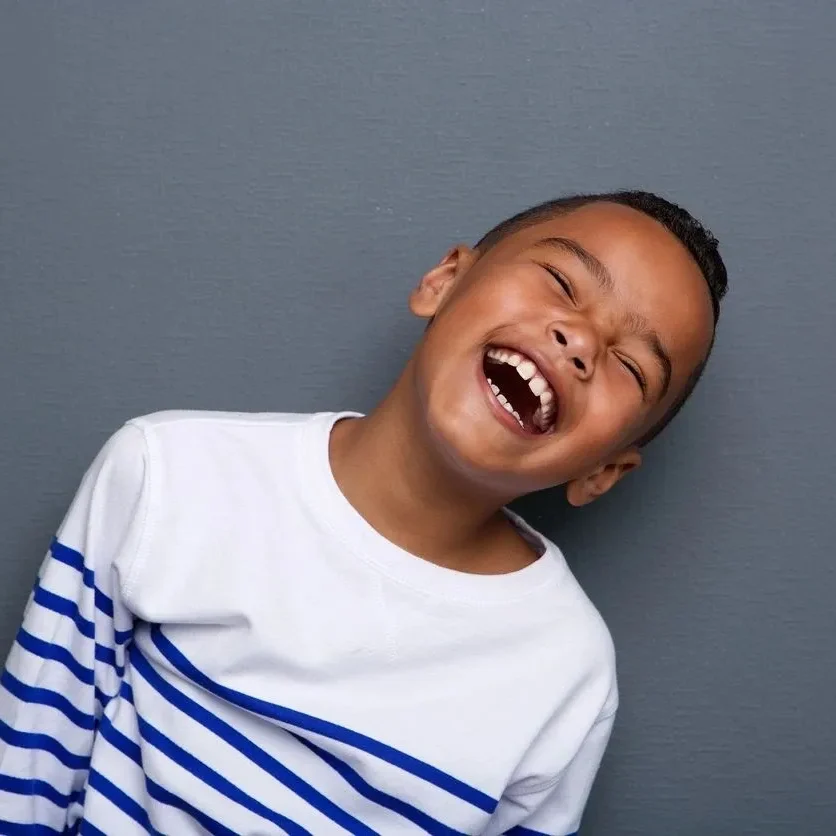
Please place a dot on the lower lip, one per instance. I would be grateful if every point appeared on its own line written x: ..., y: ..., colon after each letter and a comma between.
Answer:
x: 499, y: 410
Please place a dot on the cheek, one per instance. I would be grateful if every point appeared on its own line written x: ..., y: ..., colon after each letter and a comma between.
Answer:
x: 615, y: 410
x: 512, y: 294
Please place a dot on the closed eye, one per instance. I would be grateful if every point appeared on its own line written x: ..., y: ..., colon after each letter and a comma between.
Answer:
x: 560, y: 279
x: 636, y: 372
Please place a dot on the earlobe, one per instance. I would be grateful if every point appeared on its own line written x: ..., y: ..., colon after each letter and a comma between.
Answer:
x: 587, y: 489
x: 435, y: 285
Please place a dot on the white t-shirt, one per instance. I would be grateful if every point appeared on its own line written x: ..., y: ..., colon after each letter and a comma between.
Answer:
x: 219, y: 643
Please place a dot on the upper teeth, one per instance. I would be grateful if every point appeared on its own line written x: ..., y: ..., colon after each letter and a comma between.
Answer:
x: 537, y: 383
x: 526, y: 370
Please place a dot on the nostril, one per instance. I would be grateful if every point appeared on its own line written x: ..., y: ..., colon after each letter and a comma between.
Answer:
x: 579, y: 364
x: 560, y: 338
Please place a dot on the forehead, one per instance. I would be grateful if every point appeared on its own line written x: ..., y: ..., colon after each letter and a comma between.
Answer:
x: 653, y: 274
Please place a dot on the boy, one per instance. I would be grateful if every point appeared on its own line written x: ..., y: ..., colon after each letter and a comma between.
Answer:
x: 260, y: 624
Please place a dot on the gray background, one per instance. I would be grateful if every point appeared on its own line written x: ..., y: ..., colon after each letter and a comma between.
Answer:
x: 224, y: 205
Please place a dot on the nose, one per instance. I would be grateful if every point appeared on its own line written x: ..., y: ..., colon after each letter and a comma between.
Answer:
x: 579, y: 345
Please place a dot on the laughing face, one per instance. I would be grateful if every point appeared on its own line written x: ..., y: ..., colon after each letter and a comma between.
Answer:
x: 550, y: 354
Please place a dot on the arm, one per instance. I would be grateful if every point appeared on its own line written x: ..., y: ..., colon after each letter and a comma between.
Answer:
x: 68, y: 659
x: 554, y: 808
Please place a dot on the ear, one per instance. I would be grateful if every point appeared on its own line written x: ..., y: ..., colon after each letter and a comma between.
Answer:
x: 588, y: 488
x: 435, y: 286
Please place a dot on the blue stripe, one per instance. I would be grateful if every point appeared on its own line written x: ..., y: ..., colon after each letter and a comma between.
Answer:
x: 102, y: 697
x: 244, y: 745
x: 70, y: 557
x: 107, y: 656
x: 11, y: 828
x: 325, y: 728
x: 88, y: 829
x: 209, y: 824
x: 33, y: 786
x: 213, y: 779
x: 119, y: 741
x: 121, y: 799
x: 43, y: 696
x: 75, y: 560
x: 102, y: 602
x: 56, y: 653
x: 29, y: 740
x: 239, y: 741
x: 121, y: 637
x: 63, y: 606
x: 129, y: 748
x: 390, y: 802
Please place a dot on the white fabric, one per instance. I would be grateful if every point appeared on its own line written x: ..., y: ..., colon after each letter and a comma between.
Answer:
x: 218, y: 642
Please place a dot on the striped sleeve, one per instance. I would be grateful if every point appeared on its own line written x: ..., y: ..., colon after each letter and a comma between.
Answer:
x: 555, y: 808
x: 68, y: 659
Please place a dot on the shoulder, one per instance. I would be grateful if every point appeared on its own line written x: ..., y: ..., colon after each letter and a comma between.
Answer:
x: 593, y: 647
x: 197, y: 422
x: 572, y: 689
x: 120, y: 466
x: 215, y: 482
x: 592, y: 631
x: 204, y: 456
x: 194, y: 438
x: 576, y: 641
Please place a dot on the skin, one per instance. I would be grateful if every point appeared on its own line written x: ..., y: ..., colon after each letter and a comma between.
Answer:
x: 433, y: 465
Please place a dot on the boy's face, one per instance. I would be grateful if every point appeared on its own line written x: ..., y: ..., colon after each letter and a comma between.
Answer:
x: 614, y: 314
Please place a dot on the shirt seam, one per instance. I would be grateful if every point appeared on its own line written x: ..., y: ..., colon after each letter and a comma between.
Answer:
x: 553, y: 580
x: 372, y: 563
x: 137, y: 562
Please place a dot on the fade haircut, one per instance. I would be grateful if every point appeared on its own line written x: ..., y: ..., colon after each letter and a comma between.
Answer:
x: 698, y: 240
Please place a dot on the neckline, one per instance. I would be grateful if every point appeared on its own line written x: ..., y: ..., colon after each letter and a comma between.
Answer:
x: 331, y: 508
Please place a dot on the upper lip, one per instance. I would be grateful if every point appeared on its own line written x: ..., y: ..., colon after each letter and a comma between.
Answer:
x: 547, y: 368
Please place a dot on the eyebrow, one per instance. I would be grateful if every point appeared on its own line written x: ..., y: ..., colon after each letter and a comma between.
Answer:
x: 605, y: 281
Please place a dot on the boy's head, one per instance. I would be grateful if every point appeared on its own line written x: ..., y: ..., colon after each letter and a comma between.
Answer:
x: 592, y: 316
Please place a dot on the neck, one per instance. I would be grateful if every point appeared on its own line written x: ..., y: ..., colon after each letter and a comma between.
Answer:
x: 387, y: 467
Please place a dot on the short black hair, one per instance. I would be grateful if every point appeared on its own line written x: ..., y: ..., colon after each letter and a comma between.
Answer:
x: 698, y: 240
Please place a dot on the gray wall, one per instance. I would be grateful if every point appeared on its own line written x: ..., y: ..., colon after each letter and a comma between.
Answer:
x: 223, y: 205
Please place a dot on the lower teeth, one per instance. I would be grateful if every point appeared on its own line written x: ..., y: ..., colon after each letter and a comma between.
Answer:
x: 542, y: 419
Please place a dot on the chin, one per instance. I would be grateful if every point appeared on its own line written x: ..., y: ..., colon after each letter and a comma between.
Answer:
x: 477, y: 440
x: 476, y: 452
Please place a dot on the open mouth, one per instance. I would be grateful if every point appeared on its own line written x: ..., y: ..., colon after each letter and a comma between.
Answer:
x: 521, y: 389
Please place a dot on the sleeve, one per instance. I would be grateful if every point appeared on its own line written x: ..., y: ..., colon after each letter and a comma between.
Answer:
x: 68, y: 659
x: 554, y: 808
